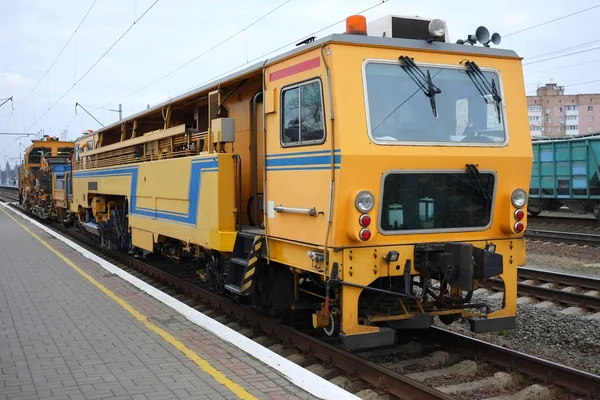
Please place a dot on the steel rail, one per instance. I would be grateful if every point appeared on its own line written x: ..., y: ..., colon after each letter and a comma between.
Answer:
x: 580, y: 281
x: 556, y: 295
x: 378, y: 376
x: 9, y: 193
x: 548, y: 371
x: 563, y: 237
x: 563, y: 221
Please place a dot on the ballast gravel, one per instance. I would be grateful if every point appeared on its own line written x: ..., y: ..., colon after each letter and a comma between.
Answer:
x: 565, y: 258
x: 547, y: 333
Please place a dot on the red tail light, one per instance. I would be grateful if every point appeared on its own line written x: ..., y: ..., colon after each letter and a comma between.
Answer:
x: 364, y: 234
x: 519, y: 214
x: 364, y: 220
x: 519, y: 227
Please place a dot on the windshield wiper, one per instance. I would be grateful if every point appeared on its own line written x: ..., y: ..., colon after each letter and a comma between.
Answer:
x: 484, y: 87
x: 478, y: 180
x: 423, y: 81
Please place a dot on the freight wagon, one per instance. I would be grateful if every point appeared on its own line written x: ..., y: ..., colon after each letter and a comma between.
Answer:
x: 566, y: 173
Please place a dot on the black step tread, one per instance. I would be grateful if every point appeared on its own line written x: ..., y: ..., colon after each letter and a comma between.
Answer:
x: 239, y: 261
x: 249, y: 234
x: 233, y: 288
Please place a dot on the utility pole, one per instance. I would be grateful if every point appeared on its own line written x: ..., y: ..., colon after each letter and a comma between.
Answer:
x: 120, y: 111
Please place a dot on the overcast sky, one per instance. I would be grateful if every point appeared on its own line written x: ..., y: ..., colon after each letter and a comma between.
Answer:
x: 33, y: 32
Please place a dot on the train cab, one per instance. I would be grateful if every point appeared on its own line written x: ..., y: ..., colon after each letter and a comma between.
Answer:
x: 371, y: 180
x: 43, y: 177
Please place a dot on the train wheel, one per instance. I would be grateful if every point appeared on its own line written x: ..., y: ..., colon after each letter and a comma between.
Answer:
x: 597, y: 212
x: 334, y: 323
x: 267, y: 296
x: 534, y: 213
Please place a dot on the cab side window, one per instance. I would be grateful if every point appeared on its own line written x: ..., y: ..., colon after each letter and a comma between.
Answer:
x: 302, y: 115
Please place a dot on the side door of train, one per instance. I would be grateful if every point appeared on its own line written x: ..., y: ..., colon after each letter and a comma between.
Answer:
x: 298, y: 161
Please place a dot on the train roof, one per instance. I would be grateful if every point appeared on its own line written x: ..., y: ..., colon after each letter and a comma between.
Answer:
x: 563, y: 139
x: 45, y: 143
x: 415, y: 44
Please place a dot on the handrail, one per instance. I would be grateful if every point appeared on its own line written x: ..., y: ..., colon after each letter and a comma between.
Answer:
x: 295, y: 210
x: 238, y: 161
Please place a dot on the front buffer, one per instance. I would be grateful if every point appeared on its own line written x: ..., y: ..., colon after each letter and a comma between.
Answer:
x: 380, y: 290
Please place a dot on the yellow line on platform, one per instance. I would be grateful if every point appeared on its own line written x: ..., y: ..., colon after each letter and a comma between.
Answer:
x: 202, y: 363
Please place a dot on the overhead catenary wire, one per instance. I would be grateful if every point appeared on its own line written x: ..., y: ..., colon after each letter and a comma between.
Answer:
x: 94, y: 64
x: 262, y: 56
x: 563, y: 67
x: 6, y: 100
x: 560, y: 56
x: 581, y: 83
x: 59, y: 54
x: 222, y: 42
x: 556, y: 53
x: 552, y: 20
x: 564, y: 49
x: 570, y: 84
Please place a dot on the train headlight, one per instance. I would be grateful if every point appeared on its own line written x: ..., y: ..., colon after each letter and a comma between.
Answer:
x: 518, y: 198
x: 437, y: 28
x: 364, y: 201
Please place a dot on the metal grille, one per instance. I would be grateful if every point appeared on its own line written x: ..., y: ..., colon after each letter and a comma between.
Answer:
x: 213, y: 104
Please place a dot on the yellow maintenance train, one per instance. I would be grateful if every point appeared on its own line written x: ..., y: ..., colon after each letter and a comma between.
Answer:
x: 368, y: 181
x: 44, y: 175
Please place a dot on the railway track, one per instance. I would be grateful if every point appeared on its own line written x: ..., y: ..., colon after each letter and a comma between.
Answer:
x: 565, y: 289
x: 8, y: 193
x: 586, y: 239
x: 362, y: 373
x: 570, y: 221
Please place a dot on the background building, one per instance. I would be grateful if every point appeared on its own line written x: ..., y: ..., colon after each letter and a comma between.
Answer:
x: 554, y: 114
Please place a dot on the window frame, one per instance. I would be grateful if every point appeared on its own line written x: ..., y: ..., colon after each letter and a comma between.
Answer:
x: 431, y: 231
x: 281, y: 119
x: 443, y: 144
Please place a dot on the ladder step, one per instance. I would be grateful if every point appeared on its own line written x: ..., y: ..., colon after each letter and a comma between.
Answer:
x: 246, y: 234
x: 239, y: 261
x: 233, y: 288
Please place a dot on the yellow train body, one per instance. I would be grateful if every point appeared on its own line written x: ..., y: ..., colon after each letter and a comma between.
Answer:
x: 222, y: 175
x: 45, y: 160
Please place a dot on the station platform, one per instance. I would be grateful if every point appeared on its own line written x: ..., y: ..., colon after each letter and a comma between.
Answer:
x: 71, y: 330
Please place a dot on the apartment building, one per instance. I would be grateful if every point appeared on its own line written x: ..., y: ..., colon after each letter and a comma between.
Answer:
x: 554, y: 114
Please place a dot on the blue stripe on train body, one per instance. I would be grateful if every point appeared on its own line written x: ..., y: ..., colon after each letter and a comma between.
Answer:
x: 308, y: 161
x: 198, y: 167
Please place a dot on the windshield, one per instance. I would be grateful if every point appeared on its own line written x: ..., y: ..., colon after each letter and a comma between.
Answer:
x: 435, y: 201
x: 398, y: 111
